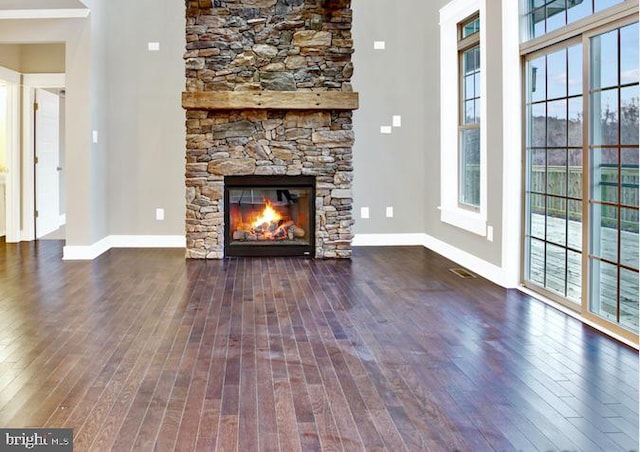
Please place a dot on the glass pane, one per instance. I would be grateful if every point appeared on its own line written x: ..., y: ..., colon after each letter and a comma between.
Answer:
x: 604, y: 286
x: 556, y: 16
x: 471, y: 27
x: 629, y: 177
x: 478, y: 111
x: 629, y: 54
x: 557, y: 123
x: 536, y: 261
x: 537, y: 79
x: 537, y: 22
x: 574, y: 237
x: 629, y: 238
x: 604, y: 175
x: 629, y: 115
x: 537, y: 124
x: 469, y: 58
x: 575, y: 70
x: 536, y: 221
x: 604, y: 232
x: 578, y: 9
x: 477, y: 89
x: 605, y: 117
x: 629, y: 299
x: 574, y: 275
x: 537, y: 170
x: 469, y: 112
x: 470, y: 167
x: 556, y: 269
x: 469, y: 87
x: 557, y: 220
x: 575, y: 121
x: 604, y: 4
x: 278, y: 215
x: 604, y: 60
x: 557, y: 172
x: 557, y: 74
x: 575, y: 173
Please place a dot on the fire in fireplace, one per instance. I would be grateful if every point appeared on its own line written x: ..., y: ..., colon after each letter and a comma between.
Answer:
x: 269, y: 215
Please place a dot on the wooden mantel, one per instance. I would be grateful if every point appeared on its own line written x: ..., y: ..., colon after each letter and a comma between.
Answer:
x: 270, y: 100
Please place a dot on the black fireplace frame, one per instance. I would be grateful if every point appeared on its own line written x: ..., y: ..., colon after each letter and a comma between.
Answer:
x: 271, y: 250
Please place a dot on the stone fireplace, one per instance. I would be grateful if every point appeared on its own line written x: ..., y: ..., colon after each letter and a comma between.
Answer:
x: 268, y: 97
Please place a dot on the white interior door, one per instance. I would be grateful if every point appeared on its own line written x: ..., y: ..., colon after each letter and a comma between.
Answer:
x: 47, y: 153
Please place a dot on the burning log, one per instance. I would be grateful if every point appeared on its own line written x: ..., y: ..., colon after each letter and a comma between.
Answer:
x: 270, y: 225
x: 240, y: 235
x: 282, y: 233
x: 297, y: 231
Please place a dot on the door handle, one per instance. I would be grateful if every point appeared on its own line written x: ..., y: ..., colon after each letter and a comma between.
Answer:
x: 59, y: 168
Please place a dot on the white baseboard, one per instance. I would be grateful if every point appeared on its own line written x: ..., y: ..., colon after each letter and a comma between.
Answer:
x: 86, y: 253
x: 148, y: 241
x: 388, y: 239
x: 469, y: 261
x: 483, y: 268
x: 479, y: 266
x: 90, y: 252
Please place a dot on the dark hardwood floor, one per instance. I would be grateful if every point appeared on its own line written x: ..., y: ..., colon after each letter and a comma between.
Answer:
x: 143, y: 350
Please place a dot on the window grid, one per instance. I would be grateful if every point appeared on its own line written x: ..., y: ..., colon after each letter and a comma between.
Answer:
x: 552, y: 249
x: 546, y: 16
x: 469, y: 116
x: 600, y: 301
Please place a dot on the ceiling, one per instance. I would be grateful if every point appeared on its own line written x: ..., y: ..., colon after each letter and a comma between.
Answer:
x: 42, y: 9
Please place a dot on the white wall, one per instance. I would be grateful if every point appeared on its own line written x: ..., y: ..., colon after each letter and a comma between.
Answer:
x: 403, y: 169
x: 389, y: 169
x: 146, y: 130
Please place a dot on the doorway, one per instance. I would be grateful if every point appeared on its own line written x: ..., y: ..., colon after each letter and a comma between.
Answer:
x: 43, y: 210
x: 49, y: 217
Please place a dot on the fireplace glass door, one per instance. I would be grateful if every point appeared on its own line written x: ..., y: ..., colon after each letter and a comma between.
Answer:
x: 269, y: 216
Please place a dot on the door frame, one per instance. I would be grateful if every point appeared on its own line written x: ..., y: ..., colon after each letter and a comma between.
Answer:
x: 30, y: 82
x: 12, y: 184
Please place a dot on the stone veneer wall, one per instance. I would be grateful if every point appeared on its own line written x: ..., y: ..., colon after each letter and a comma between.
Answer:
x: 268, y: 45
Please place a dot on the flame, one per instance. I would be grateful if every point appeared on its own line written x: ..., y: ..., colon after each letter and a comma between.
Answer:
x: 268, y: 215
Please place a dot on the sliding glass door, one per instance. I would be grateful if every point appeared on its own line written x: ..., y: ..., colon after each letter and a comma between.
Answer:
x: 613, y: 176
x: 554, y: 171
x: 581, y: 243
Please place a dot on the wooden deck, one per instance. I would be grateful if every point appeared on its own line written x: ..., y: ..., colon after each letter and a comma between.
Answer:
x: 555, y: 266
x: 142, y: 350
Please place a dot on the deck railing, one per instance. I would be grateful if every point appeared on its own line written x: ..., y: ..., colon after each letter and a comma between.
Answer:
x: 561, y: 184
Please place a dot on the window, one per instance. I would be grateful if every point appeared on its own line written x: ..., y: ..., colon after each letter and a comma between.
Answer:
x: 463, y: 129
x: 469, y: 128
x: 582, y: 178
x: 545, y: 16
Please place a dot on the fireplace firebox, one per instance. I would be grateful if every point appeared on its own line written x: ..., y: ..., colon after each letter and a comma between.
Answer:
x: 269, y: 215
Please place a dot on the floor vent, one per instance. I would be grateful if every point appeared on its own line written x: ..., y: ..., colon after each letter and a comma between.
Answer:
x: 463, y: 273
